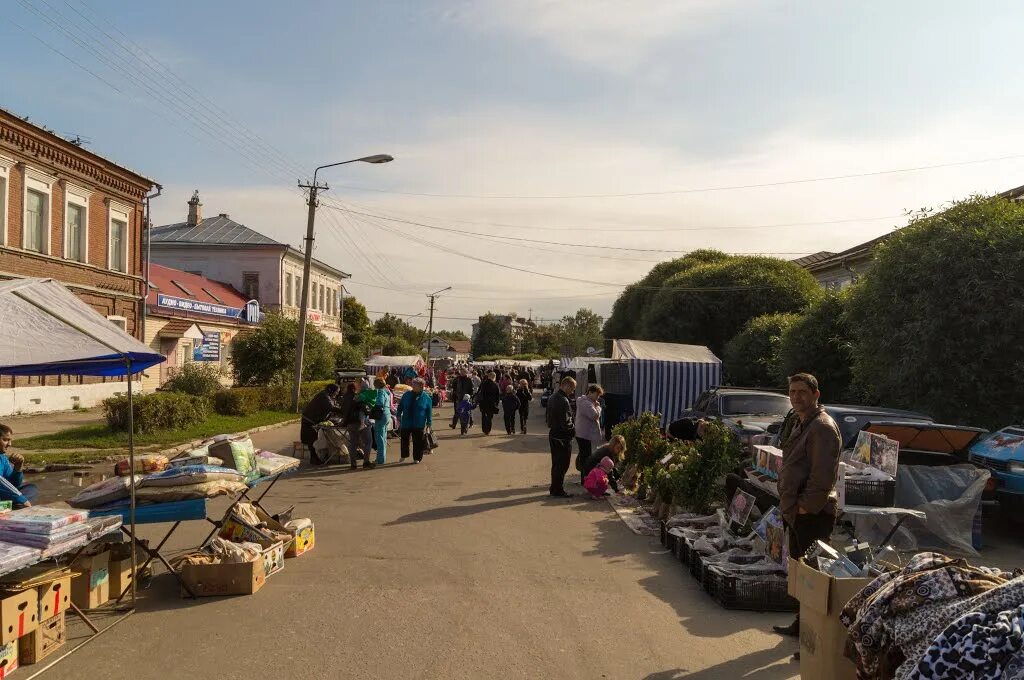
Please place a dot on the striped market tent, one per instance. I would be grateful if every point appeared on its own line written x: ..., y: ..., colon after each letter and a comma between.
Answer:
x: 666, y: 378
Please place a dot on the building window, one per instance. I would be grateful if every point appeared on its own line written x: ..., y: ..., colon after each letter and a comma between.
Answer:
x: 36, y: 217
x: 76, y: 222
x: 251, y: 285
x: 322, y: 291
x: 117, y: 246
x: 298, y: 291
x: 334, y: 301
x: 5, y: 172
x: 287, y: 289
x: 119, y: 321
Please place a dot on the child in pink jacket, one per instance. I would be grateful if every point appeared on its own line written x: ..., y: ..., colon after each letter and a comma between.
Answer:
x: 597, y: 480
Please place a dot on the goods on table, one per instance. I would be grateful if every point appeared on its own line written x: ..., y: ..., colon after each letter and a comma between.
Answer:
x: 269, y: 463
x: 143, y: 464
x: 237, y: 453
x: 13, y: 556
x: 103, y: 492
x: 41, y: 519
x: 164, y: 494
x: 192, y: 458
x: 191, y: 474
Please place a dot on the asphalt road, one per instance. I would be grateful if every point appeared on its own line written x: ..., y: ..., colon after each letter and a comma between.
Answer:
x: 461, y: 567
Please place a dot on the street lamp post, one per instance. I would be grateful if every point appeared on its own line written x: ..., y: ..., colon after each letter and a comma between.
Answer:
x: 314, y: 188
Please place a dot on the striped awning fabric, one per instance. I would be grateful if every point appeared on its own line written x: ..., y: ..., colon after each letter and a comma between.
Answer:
x: 670, y: 387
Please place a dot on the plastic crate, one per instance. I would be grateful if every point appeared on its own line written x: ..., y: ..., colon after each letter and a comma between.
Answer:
x: 750, y: 594
x: 664, y: 533
x: 673, y: 542
x: 696, y: 563
x: 679, y: 547
x: 685, y: 548
x: 872, y: 493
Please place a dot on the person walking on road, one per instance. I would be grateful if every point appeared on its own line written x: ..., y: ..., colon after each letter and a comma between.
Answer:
x: 807, y: 482
x: 462, y: 386
x: 415, y: 416
x: 379, y: 402
x: 561, y: 430
x: 588, y: 422
x: 525, y: 395
x: 510, y: 404
x: 487, y: 398
x: 355, y: 418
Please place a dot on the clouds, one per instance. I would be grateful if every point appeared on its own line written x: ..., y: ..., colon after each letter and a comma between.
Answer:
x: 611, y: 35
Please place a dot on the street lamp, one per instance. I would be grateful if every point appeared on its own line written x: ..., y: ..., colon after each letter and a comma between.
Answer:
x: 314, y: 188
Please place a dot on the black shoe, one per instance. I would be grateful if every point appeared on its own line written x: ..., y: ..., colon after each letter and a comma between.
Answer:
x: 369, y: 466
x: 562, y: 494
x: 792, y: 630
x: 796, y: 656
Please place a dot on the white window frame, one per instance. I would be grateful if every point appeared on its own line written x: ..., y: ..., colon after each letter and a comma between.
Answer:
x: 119, y: 321
x: 77, y: 195
x: 41, y: 182
x: 121, y: 212
x: 6, y: 163
x: 289, y: 282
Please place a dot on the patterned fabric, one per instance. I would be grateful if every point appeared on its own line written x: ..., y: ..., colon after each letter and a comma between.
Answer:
x: 914, y: 632
x: 977, y: 646
x: 927, y: 579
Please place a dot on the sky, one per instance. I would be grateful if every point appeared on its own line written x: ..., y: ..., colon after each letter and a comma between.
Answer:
x: 531, y: 119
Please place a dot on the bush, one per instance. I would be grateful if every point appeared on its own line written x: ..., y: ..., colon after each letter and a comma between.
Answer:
x: 349, y: 356
x: 751, y: 358
x: 937, y: 318
x: 198, y: 378
x: 267, y: 355
x: 643, y: 438
x: 239, y: 401
x: 697, y: 482
x: 820, y: 343
x: 157, y: 411
x: 689, y: 310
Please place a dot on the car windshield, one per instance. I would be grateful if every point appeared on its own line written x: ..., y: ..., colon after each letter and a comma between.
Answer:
x: 755, y: 404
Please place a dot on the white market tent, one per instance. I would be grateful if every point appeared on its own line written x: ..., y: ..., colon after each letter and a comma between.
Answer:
x: 382, y: 361
x: 50, y: 331
x: 667, y: 377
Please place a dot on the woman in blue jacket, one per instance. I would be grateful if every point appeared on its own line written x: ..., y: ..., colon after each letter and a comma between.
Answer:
x: 10, y: 469
x: 415, y: 416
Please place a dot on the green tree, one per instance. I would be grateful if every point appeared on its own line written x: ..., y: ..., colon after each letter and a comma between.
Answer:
x: 355, y: 322
x: 628, y: 310
x: 390, y: 326
x: 709, y: 303
x: 751, y: 358
x: 349, y: 356
x: 937, y: 318
x: 580, y: 331
x: 451, y: 335
x: 398, y: 347
x: 267, y: 355
x: 820, y: 342
x: 492, y: 336
x: 545, y: 340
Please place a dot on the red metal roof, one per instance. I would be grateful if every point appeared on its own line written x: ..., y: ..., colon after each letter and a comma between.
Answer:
x: 199, y: 287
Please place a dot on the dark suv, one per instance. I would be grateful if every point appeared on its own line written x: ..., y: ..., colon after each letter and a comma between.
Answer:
x: 747, y: 412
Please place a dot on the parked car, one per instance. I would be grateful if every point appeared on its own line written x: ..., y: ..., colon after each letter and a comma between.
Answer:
x: 747, y: 412
x: 1002, y: 452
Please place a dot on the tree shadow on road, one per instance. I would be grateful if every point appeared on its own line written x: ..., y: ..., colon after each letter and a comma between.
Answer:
x: 455, y: 511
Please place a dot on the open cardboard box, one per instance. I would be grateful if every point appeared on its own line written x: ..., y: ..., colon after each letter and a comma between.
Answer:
x: 822, y: 637
x: 234, y: 530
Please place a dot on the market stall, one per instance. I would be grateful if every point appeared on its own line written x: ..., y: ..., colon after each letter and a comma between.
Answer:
x: 375, y: 365
x: 657, y: 377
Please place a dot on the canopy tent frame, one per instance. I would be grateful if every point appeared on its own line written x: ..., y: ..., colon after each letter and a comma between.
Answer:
x: 121, y: 362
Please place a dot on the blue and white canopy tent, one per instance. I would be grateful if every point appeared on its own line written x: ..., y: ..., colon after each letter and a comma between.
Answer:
x: 48, y: 330
x: 664, y: 377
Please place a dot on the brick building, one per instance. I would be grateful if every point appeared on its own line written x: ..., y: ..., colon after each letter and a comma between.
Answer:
x: 69, y: 214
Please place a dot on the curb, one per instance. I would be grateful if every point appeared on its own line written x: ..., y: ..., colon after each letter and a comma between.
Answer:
x: 181, y: 448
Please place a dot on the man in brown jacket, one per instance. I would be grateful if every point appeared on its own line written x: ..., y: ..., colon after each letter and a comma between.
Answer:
x: 807, y: 482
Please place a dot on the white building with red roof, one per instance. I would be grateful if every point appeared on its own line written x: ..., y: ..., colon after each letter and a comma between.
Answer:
x: 193, y: 318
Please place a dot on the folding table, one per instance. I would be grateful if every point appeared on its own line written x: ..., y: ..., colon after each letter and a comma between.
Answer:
x: 244, y: 496
x: 157, y: 513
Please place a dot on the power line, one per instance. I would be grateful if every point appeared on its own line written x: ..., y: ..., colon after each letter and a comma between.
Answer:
x: 551, y: 243
x: 695, y: 190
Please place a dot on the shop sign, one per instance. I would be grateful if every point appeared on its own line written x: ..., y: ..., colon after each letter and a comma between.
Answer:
x: 207, y: 349
x: 314, y: 316
x: 198, y: 307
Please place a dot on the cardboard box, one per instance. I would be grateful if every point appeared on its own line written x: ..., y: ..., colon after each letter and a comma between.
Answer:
x: 19, y: 615
x: 273, y: 557
x: 8, y: 659
x: 822, y: 637
x: 209, y: 580
x: 234, y: 530
x: 54, y: 598
x: 303, y: 543
x: 91, y: 588
x: 43, y: 642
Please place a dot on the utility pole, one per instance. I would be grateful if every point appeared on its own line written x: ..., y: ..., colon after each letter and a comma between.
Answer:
x: 430, y: 324
x: 314, y: 189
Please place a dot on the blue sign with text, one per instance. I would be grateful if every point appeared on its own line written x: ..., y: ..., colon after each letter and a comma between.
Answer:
x: 199, y: 307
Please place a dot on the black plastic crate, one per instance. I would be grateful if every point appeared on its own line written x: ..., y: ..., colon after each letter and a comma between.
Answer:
x: 680, y: 546
x: 696, y: 563
x: 750, y: 594
x: 664, y: 533
x: 672, y: 542
x: 685, y: 548
x: 873, y: 493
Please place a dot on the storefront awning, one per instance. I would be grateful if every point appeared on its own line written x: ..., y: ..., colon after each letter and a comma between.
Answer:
x: 181, y: 328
